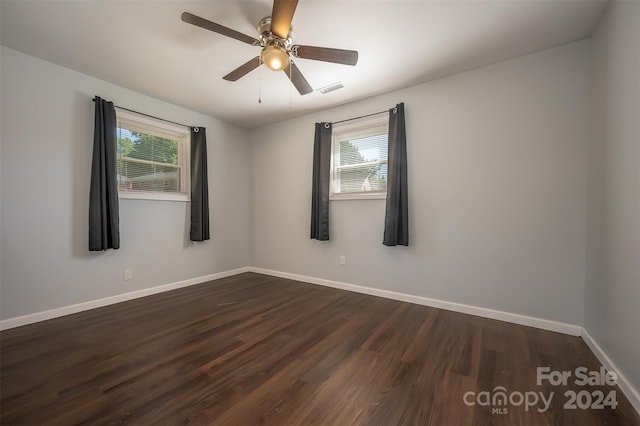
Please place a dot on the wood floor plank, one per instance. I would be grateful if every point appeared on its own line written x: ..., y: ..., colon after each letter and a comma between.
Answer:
x: 255, y: 349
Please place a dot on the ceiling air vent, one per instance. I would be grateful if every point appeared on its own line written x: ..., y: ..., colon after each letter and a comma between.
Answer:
x: 331, y: 88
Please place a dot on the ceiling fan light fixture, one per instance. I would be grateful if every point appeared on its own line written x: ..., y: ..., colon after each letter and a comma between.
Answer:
x: 275, y: 58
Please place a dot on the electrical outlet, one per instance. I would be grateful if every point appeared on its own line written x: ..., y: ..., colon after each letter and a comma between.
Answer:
x: 343, y: 259
x: 128, y: 274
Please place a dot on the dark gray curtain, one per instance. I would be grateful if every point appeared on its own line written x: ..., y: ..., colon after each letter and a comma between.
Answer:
x: 199, y: 186
x: 104, y: 218
x: 320, y: 186
x: 396, y: 221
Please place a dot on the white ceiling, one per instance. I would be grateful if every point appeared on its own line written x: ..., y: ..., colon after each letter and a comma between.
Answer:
x: 144, y: 46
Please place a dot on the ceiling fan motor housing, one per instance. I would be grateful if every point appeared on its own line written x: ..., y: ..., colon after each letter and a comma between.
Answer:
x: 275, y: 51
x: 267, y: 38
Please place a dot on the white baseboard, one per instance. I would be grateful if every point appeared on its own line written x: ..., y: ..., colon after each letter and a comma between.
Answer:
x: 573, y: 330
x: 92, y: 304
x: 627, y: 388
x: 544, y: 324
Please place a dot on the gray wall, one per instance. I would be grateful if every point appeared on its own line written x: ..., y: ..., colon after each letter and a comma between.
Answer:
x: 46, y: 136
x: 497, y: 188
x: 612, y: 296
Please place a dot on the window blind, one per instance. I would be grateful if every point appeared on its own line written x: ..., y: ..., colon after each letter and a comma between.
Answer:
x: 360, y: 161
x: 150, y: 159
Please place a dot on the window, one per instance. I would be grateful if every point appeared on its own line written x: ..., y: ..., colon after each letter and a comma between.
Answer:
x: 359, y: 158
x: 152, y: 158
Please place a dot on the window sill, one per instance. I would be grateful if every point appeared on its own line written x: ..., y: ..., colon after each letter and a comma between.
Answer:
x: 156, y: 196
x: 358, y: 196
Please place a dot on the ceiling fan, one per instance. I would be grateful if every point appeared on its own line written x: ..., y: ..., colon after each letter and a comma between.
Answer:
x: 277, y: 47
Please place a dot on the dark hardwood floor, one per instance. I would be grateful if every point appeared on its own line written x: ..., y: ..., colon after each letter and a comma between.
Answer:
x: 253, y: 349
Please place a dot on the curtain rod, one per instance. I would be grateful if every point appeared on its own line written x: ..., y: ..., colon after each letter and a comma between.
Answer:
x: 153, y: 116
x: 362, y: 116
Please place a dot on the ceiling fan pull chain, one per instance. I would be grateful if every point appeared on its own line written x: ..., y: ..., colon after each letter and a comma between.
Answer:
x: 259, y: 80
x: 290, y: 85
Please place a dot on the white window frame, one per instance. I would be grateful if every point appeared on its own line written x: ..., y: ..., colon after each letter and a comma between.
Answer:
x: 162, y: 129
x: 344, y: 131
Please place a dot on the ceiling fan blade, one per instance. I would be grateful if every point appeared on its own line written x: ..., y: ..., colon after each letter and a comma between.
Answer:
x: 298, y: 80
x: 217, y: 28
x: 326, y: 54
x: 281, y: 17
x: 243, y: 69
